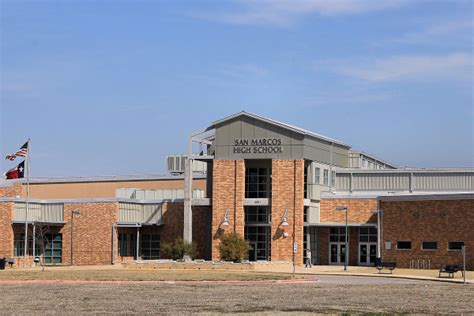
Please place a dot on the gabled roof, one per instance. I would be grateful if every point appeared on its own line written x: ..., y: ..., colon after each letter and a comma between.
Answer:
x: 279, y: 124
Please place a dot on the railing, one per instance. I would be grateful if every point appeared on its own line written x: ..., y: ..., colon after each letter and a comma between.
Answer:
x: 420, y: 264
x: 405, y: 180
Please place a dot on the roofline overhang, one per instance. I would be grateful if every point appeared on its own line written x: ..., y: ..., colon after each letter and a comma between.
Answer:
x: 279, y: 124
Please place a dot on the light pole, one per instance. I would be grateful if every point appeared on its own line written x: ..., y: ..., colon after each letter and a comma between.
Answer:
x: 74, y: 212
x: 344, y: 208
x: 379, y: 232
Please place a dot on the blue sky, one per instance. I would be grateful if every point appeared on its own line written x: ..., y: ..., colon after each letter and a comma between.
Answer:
x: 112, y: 87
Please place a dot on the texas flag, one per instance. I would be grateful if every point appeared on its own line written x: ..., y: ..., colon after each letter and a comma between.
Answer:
x: 17, y: 172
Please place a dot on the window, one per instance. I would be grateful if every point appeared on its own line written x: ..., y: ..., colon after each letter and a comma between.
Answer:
x: 19, y: 245
x: 259, y: 238
x: 123, y: 244
x: 257, y: 214
x: 258, y: 182
x: 317, y: 175
x: 337, y: 234
x: 455, y: 245
x: 429, y: 245
x: 403, y: 245
x: 326, y: 177
x: 150, y: 246
x: 53, y: 248
x: 367, y: 234
x: 333, y: 178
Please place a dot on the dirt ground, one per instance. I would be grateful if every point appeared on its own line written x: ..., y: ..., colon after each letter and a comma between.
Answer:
x: 220, y: 298
x: 139, y: 275
x: 329, y: 294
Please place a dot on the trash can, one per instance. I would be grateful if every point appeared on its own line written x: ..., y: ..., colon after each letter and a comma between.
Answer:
x: 2, y: 263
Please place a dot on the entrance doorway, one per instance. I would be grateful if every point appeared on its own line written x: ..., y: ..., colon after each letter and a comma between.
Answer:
x: 337, y: 245
x: 367, y: 253
x: 337, y: 253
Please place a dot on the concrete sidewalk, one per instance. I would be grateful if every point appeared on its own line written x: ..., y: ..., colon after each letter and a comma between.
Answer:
x: 418, y: 274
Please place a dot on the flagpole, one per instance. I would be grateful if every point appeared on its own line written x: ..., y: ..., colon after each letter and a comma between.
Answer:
x: 27, y: 167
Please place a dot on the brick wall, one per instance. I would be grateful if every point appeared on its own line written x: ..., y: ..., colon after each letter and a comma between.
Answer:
x: 6, y: 230
x: 418, y: 221
x: 92, y: 233
x: 287, y: 193
x: 360, y: 210
x: 11, y: 191
x: 228, y: 189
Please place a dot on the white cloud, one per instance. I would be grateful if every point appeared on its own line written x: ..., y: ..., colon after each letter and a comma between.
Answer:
x: 283, y: 12
x: 451, y: 66
x: 450, y: 29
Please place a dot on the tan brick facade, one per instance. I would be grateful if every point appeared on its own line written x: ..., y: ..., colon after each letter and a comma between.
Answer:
x: 418, y: 221
x: 287, y: 193
x: 228, y: 190
x: 11, y: 191
x: 359, y: 210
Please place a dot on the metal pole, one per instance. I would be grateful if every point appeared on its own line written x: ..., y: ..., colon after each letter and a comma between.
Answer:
x: 27, y: 201
x: 378, y: 234
x: 72, y: 239
x: 138, y: 242
x: 34, y: 241
x: 464, y: 263
x: 345, y: 250
x: 113, y: 243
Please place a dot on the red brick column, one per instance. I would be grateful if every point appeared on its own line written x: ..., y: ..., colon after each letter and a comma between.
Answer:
x: 228, y: 189
x: 6, y: 229
x: 287, y: 193
x: 92, y: 233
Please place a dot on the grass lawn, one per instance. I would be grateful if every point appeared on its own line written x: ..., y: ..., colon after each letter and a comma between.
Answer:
x: 52, y: 273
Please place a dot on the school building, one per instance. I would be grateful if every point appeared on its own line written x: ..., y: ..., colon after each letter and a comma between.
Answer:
x: 283, y: 188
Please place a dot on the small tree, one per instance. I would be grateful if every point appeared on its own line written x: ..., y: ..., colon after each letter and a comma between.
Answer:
x: 177, y: 249
x: 41, y: 232
x: 233, y: 247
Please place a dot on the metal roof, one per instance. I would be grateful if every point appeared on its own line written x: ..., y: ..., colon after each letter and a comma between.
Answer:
x: 360, y: 152
x: 404, y: 170
x: 384, y: 195
x: 279, y: 124
x: 100, y: 179
x: 431, y: 197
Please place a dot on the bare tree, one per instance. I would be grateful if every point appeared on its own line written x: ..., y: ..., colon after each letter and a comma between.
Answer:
x: 42, y: 230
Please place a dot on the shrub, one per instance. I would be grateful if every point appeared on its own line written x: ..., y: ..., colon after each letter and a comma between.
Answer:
x: 233, y: 247
x: 177, y: 249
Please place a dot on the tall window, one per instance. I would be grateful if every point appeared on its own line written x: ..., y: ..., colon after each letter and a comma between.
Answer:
x: 333, y: 178
x: 258, y: 182
x: 123, y: 244
x: 326, y: 177
x: 257, y: 231
x: 53, y: 249
x: 317, y: 175
x: 150, y: 246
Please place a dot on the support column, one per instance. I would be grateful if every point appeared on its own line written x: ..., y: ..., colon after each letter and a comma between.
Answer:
x: 137, y: 252
x: 188, y: 212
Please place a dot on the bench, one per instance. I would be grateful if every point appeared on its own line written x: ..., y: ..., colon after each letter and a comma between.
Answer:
x: 450, y: 270
x: 10, y: 261
x: 380, y: 265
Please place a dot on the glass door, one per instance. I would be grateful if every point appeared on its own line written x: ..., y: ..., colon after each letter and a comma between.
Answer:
x: 337, y: 253
x: 367, y: 253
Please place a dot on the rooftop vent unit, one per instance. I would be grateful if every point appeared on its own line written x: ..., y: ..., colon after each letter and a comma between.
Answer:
x: 175, y: 164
